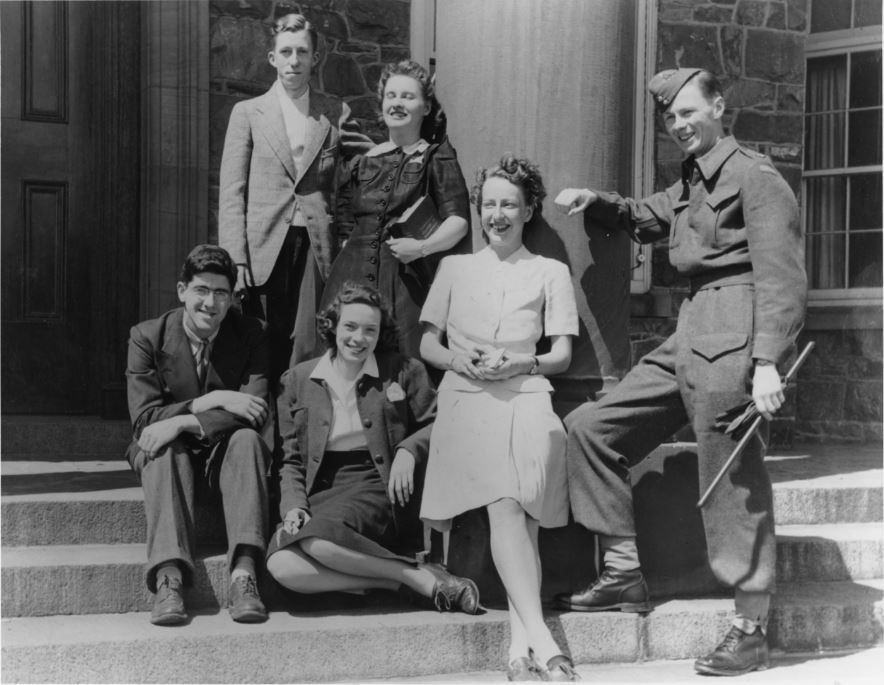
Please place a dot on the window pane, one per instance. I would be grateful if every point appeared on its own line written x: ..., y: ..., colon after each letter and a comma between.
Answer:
x: 865, y: 138
x: 865, y: 79
x: 867, y: 13
x: 826, y: 84
x: 865, y: 260
x: 865, y: 202
x: 824, y: 141
x: 829, y: 15
x: 826, y: 201
x: 825, y: 260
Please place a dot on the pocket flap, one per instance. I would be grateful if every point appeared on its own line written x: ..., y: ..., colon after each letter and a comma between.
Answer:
x: 721, y: 196
x: 714, y: 345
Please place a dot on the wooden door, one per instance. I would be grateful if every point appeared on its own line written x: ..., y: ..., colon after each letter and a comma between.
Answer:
x: 553, y: 80
x: 69, y: 215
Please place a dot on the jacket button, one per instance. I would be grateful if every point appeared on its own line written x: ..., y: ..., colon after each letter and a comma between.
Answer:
x: 382, y: 203
x: 374, y: 244
x: 373, y: 260
x: 379, y: 458
x: 367, y: 423
x: 386, y: 186
x: 390, y: 177
x: 370, y: 277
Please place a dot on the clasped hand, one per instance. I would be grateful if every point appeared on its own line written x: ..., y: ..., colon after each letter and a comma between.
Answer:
x: 487, y: 363
x: 405, y: 249
x: 252, y: 408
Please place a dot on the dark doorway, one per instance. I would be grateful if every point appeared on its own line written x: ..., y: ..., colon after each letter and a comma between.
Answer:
x: 70, y: 184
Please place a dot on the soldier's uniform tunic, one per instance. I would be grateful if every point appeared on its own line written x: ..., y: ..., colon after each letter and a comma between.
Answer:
x: 733, y: 229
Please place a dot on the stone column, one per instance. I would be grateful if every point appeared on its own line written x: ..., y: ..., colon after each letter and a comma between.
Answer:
x: 175, y: 153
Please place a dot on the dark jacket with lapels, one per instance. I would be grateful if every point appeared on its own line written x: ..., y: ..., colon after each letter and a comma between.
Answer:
x: 397, y: 410
x: 162, y: 381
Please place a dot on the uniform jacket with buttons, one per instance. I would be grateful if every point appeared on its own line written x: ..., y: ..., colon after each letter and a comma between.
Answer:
x: 162, y: 381
x: 397, y: 410
x: 731, y: 209
x: 260, y: 189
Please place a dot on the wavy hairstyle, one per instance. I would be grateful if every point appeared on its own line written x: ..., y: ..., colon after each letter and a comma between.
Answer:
x: 435, y: 123
x: 357, y: 293
x: 521, y: 172
x: 208, y: 259
x: 293, y: 22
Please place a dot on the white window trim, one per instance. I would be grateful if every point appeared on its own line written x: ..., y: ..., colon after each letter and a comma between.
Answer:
x: 824, y: 45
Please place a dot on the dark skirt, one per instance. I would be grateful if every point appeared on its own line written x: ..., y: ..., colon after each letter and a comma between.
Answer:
x: 349, y: 506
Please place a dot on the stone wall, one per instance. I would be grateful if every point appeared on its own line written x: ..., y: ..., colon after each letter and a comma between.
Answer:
x: 357, y: 38
x: 756, y: 47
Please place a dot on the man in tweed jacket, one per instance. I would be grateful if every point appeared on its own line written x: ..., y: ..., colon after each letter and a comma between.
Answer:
x: 277, y: 183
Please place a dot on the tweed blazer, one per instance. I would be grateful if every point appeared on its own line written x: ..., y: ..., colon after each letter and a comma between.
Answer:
x: 260, y: 189
x: 397, y: 410
x: 161, y: 375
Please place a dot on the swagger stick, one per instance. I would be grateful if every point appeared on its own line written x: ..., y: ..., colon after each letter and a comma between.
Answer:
x: 753, y: 428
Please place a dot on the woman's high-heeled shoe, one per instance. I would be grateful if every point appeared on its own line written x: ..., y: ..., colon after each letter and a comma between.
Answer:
x: 560, y: 668
x: 453, y: 593
x: 522, y: 668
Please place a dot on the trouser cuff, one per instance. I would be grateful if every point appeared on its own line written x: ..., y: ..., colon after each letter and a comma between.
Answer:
x: 619, y: 553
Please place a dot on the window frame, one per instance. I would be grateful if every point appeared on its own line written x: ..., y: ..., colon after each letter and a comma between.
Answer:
x: 833, y: 43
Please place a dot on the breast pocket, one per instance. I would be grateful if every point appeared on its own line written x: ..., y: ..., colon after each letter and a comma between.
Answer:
x: 726, y: 213
x: 413, y: 171
x: 679, y: 223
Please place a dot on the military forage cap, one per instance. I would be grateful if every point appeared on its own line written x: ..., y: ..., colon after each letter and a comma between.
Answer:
x: 665, y: 85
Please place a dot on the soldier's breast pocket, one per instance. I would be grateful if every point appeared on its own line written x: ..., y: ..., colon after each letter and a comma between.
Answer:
x: 726, y: 215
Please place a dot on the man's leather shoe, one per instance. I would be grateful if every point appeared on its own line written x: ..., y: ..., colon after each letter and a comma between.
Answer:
x: 453, y: 593
x: 245, y: 604
x: 737, y: 654
x: 168, y: 604
x: 613, y: 590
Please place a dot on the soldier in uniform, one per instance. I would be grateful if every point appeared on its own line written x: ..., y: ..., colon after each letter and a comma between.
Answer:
x: 733, y: 229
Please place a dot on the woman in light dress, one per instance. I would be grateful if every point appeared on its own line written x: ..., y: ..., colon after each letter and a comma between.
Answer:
x: 496, y: 442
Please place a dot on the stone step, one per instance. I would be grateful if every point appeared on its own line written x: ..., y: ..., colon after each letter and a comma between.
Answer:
x: 63, y: 437
x: 398, y: 641
x: 100, y: 501
x: 94, y: 579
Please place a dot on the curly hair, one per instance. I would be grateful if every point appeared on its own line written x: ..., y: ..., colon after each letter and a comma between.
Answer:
x: 435, y: 123
x: 208, y: 259
x: 357, y: 293
x: 521, y: 172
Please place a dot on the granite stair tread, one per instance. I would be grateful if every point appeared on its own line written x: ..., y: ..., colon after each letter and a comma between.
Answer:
x: 306, y: 645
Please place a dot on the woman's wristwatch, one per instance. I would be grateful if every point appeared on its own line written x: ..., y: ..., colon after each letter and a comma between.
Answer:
x: 535, y: 366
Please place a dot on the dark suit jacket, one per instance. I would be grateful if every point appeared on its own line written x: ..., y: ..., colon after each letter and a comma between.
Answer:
x: 260, y: 189
x: 161, y: 376
x: 390, y: 421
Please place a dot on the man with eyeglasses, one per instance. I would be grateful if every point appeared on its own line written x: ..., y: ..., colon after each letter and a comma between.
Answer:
x: 198, y: 398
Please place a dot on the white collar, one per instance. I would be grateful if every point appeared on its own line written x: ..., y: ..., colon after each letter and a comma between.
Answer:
x: 390, y: 146
x: 193, y: 337
x: 325, y: 369
x: 301, y: 101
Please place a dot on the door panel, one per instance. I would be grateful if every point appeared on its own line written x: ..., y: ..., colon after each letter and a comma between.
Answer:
x: 45, y: 278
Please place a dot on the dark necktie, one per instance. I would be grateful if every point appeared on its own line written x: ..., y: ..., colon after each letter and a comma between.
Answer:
x: 202, y: 360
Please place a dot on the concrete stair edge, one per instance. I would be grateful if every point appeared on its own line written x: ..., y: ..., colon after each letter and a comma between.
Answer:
x: 117, y: 515
x: 308, y: 647
x: 93, y: 579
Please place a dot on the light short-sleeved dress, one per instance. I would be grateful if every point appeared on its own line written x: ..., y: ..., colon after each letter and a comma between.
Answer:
x: 498, y: 439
